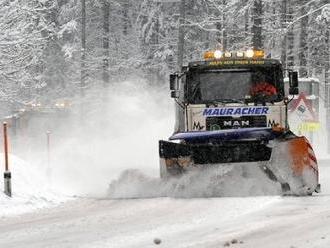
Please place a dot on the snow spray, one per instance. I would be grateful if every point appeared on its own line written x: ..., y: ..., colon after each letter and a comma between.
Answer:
x: 120, y: 130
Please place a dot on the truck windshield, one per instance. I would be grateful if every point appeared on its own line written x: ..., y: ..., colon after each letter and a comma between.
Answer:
x: 234, y: 85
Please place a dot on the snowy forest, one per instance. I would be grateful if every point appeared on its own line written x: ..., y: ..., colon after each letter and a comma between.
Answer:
x: 109, y: 138
x: 62, y: 48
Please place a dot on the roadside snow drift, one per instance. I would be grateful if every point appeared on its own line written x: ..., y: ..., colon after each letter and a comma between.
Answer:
x: 30, y: 189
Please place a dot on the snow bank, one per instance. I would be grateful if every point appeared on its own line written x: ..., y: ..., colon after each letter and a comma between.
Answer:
x: 30, y: 189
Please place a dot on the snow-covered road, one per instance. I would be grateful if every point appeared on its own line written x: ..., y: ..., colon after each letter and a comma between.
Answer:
x: 272, y: 221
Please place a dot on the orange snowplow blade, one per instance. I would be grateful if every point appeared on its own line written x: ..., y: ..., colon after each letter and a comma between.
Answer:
x: 303, y: 156
x: 293, y: 163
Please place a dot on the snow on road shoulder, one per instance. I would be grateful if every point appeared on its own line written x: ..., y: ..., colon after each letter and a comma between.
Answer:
x: 30, y: 189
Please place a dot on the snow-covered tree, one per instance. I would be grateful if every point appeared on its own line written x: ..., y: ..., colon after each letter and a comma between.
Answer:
x: 41, y: 48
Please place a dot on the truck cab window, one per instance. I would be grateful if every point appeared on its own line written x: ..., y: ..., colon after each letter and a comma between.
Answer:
x: 233, y: 84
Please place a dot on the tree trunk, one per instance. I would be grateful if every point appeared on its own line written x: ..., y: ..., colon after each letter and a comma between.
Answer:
x: 106, y: 32
x: 181, y: 35
x: 219, y: 28
x: 327, y: 84
x: 257, y: 40
x: 303, y: 46
x: 284, y: 23
x: 224, y: 32
x: 83, y: 48
x: 327, y: 57
x: 290, y: 37
x: 125, y: 17
x: 247, y: 26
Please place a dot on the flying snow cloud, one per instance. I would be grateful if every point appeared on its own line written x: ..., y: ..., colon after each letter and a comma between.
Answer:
x: 119, y: 130
x: 109, y: 148
x: 112, y: 151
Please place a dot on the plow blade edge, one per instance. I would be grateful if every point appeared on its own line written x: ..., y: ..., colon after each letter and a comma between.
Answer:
x: 289, y: 160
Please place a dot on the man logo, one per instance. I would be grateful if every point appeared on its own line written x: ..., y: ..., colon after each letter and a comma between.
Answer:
x: 197, y: 126
x: 272, y: 123
x: 237, y: 123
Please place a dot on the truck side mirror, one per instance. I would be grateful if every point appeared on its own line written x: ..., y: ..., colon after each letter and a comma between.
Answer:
x: 293, y: 91
x: 174, y: 85
x: 293, y: 83
x: 293, y: 79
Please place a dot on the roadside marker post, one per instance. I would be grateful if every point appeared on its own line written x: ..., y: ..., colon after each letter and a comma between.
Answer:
x: 48, y: 170
x: 7, y: 173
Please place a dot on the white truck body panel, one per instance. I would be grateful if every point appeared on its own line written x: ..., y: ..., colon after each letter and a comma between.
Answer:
x: 197, y: 115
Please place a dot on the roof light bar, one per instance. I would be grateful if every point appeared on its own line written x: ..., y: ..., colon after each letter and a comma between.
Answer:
x: 249, y: 54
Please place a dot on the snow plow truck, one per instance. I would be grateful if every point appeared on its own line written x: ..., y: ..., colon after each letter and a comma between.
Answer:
x: 231, y: 109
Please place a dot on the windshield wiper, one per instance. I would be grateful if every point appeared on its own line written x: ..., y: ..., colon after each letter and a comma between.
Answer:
x: 229, y: 100
x: 263, y: 99
x: 224, y: 101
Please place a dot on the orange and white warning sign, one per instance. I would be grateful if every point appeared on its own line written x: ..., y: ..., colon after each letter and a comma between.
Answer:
x: 302, y: 108
x: 302, y: 116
